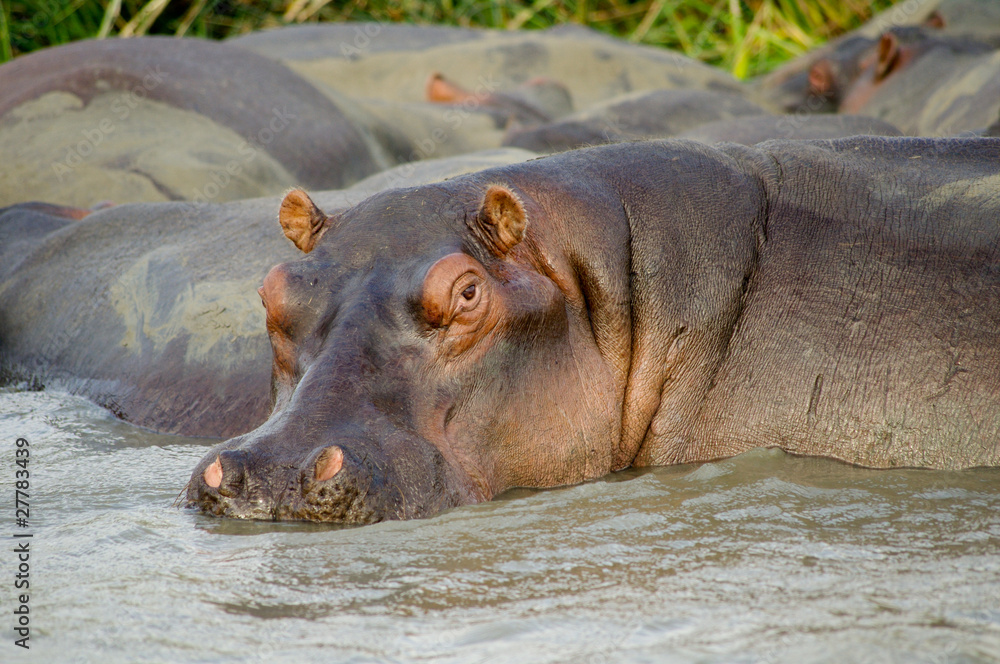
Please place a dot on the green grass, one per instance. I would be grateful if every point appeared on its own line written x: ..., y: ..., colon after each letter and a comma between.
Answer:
x: 747, y: 37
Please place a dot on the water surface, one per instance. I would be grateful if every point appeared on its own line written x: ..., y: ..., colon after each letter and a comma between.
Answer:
x: 761, y: 558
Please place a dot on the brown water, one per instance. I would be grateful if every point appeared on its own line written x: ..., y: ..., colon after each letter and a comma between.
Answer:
x: 762, y: 558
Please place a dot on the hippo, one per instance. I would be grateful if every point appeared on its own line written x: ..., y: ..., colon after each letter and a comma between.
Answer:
x: 626, y: 305
x: 493, y: 75
x: 816, y: 81
x: 840, y: 75
x: 378, y: 61
x: 932, y: 87
x: 159, y: 118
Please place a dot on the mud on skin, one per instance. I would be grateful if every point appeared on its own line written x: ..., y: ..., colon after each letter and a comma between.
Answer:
x: 549, y: 322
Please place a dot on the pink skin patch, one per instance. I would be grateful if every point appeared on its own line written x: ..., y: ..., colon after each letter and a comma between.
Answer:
x: 213, y: 474
x: 329, y: 463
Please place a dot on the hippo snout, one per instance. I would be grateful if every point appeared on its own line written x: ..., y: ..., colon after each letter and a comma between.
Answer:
x: 326, y: 485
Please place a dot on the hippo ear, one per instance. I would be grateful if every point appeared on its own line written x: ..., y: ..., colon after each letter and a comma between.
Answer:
x: 302, y: 221
x: 888, y: 55
x: 501, y: 221
x: 442, y: 91
x: 821, y: 78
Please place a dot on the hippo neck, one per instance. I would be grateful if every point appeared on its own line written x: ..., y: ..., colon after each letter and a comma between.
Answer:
x: 660, y: 240
x: 697, y: 225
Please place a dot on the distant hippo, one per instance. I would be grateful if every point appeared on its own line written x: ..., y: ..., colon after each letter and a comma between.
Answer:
x: 159, y: 118
x: 931, y: 87
x: 843, y: 73
x: 816, y: 82
x: 377, y: 61
x: 634, y: 304
x: 383, y: 69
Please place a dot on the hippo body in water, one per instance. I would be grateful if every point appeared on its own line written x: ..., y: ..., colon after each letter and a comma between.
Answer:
x: 638, y: 304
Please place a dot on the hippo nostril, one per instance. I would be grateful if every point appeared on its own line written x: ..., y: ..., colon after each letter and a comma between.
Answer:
x: 213, y: 474
x: 227, y: 473
x: 328, y: 463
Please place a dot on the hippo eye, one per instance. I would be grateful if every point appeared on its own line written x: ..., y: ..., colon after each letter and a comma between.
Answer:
x: 469, y: 292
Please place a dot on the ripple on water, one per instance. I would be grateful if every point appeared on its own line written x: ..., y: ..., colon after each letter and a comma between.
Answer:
x: 764, y: 557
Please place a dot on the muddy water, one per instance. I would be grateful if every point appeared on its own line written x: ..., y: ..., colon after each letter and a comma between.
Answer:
x: 760, y: 558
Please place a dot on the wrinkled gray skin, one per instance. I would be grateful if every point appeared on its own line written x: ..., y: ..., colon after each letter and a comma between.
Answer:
x: 150, y: 309
x: 668, y: 302
x: 757, y: 128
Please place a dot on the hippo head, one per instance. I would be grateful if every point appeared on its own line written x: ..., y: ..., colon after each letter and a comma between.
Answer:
x: 894, y: 52
x: 425, y: 355
x: 818, y: 84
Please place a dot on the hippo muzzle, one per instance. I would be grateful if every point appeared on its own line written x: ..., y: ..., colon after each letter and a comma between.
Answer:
x: 351, y: 481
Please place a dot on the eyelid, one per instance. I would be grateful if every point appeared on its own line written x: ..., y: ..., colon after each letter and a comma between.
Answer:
x: 468, y: 279
x: 460, y: 305
x: 443, y: 285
